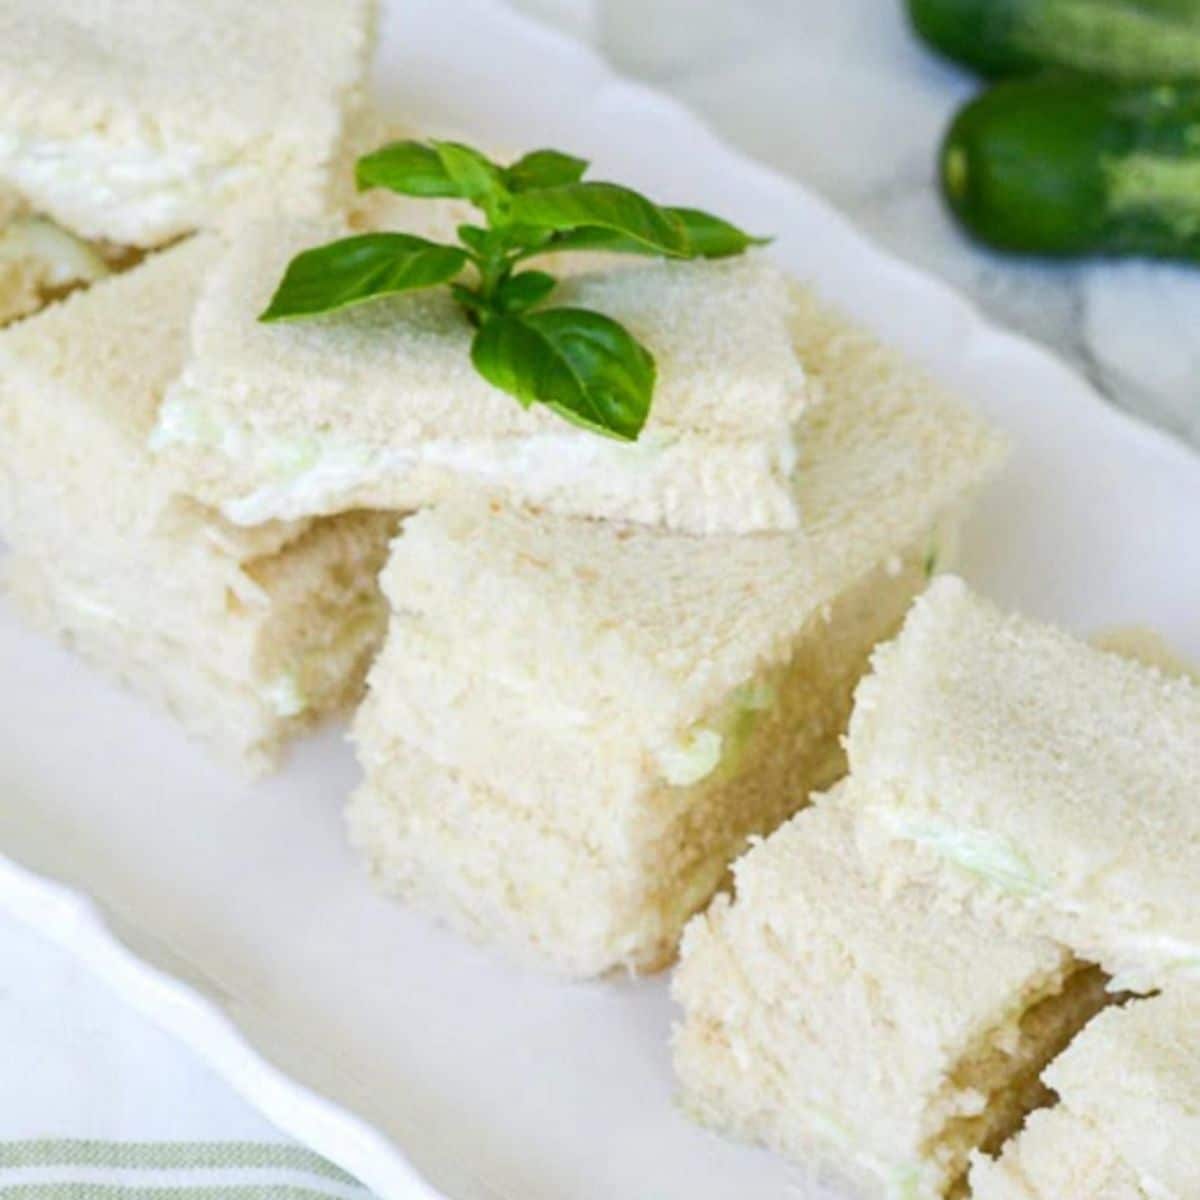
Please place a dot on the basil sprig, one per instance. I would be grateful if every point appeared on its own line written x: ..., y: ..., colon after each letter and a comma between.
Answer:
x: 581, y: 364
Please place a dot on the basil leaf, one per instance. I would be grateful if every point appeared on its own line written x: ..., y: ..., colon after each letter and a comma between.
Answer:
x: 520, y: 292
x: 544, y: 169
x: 583, y: 365
x: 493, y: 243
x: 361, y: 268
x: 714, y: 237
x: 603, y: 206
x: 476, y: 239
x: 707, y: 237
x: 476, y: 307
x: 410, y: 168
x: 477, y: 177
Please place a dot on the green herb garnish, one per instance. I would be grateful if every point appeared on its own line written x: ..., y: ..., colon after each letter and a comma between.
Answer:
x: 583, y: 365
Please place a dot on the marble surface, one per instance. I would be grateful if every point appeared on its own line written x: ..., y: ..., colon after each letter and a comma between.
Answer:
x: 841, y: 96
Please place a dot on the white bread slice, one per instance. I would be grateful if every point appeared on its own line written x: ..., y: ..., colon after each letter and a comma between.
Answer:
x: 1049, y: 781
x: 1057, y: 1157
x: 1131, y: 1082
x: 643, y: 700
x: 135, y: 121
x: 1146, y: 646
x: 877, y: 1040
x: 380, y: 406
x: 227, y: 625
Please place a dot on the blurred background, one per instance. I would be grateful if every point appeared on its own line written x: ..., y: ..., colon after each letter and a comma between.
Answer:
x: 845, y: 98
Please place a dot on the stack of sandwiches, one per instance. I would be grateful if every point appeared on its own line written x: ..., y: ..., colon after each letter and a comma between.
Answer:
x: 125, y: 127
x: 1016, y: 847
x: 576, y: 725
x: 596, y: 672
x: 607, y: 665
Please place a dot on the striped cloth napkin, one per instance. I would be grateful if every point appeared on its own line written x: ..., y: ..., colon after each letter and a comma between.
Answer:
x: 96, y: 1103
x: 78, y: 1169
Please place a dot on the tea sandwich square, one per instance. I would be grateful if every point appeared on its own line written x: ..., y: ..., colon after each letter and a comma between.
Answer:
x: 1051, y: 782
x: 879, y: 1041
x: 1127, y: 1125
x: 381, y: 406
x: 129, y: 124
x: 246, y: 634
x: 574, y: 726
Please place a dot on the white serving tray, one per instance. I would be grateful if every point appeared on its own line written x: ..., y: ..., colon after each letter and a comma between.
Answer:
x: 235, y: 915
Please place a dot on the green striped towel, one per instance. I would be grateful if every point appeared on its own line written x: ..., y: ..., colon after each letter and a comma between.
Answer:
x: 70, y: 1169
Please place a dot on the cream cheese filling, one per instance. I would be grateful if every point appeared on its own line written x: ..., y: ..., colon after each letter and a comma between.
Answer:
x: 58, y: 258
x: 719, y: 739
x: 130, y: 192
x: 307, y: 475
x: 995, y: 859
x: 976, y: 851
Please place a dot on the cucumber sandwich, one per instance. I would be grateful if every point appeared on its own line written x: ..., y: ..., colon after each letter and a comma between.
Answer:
x: 126, y: 125
x: 247, y: 635
x: 1044, y: 780
x: 880, y: 1039
x: 575, y: 726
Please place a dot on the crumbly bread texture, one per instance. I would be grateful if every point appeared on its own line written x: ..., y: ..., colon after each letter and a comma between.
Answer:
x: 633, y: 704
x: 878, y: 1040
x: 136, y: 121
x: 247, y: 634
x: 381, y: 406
x: 1043, y: 779
x: 1146, y: 646
x: 1057, y: 1156
x: 1128, y: 1122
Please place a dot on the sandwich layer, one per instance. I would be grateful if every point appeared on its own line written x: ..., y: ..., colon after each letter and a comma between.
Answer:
x: 524, y: 829
x: 640, y: 700
x: 380, y: 405
x: 248, y: 634
x: 136, y: 122
x: 246, y: 683
x: 1128, y: 1121
x: 1048, y: 781
x: 881, y: 1040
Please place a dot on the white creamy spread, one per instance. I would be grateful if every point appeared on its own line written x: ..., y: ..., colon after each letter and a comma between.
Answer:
x: 307, y: 475
x: 284, y: 696
x: 60, y: 257
x: 313, y: 478
x: 975, y: 850
x: 1140, y: 952
x: 703, y: 748
x: 126, y: 192
x: 996, y: 860
x: 692, y: 758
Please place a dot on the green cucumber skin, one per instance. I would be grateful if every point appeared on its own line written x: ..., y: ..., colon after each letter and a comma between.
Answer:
x: 1065, y: 166
x: 1132, y: 40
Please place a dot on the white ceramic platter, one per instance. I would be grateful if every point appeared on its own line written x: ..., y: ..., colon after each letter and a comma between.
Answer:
x: 236, y: 916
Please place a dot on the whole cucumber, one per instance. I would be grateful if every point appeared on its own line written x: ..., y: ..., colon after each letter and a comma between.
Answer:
x: 1066, y: 165
x: 1118, y: 39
